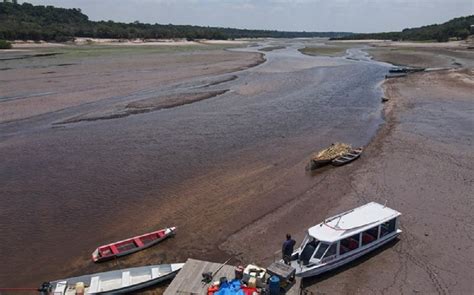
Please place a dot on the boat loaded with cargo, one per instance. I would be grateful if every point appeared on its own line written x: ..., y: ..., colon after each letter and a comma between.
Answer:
x: 345, y: 237
x: 337, y: 154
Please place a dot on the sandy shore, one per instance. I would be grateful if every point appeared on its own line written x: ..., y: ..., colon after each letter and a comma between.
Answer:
x: 421, y: 163
x: 19, y: 44
x: 60, y: 79
x: 449, y: 55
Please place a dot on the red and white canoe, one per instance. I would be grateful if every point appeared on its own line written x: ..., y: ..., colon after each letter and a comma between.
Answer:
x: 128, y: 246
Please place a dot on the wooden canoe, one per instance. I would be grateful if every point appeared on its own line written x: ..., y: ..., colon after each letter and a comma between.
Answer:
x: 325, y: 157
x: 406, y: 70
x: 131, y: 245
x: 315, y: 164
x: 113, y: 282
x: 347, y: 158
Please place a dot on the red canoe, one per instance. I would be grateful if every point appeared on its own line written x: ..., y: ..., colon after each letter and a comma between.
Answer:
x: 128, y: 246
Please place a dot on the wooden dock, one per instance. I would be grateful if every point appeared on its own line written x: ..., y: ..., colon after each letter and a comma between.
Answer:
x: 189, y: 278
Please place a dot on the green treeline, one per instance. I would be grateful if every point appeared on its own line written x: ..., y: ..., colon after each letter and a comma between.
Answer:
x: 29, y: 22
x: 459, y: 28
x: 5, y: 44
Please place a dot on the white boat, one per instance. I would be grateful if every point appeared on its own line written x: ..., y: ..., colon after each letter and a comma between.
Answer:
x: 113, y: 282
x: 345, y: 237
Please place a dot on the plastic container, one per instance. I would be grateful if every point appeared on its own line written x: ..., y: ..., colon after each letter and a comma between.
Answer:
x: 252, y: 283
x: 80, y: 288
x: 274, y: 285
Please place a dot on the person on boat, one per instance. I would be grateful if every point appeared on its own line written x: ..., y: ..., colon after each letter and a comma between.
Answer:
x: 287, y: 249
x: 313, y: 243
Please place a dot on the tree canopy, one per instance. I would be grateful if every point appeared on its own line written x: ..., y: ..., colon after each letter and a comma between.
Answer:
x: 458, y: 28
x: 30, y: 22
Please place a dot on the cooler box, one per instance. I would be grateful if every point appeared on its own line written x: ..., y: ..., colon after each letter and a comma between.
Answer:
x: 253, y: 271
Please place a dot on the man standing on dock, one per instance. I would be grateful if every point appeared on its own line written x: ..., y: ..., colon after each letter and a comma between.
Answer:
x: 287, y: 248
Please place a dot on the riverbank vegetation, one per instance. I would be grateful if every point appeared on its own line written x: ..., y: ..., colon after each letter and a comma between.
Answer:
x: 29, y: 22
x: 326, y: 51
x: 271, y: 48
x: 457, y: 28
x: 5, y: 44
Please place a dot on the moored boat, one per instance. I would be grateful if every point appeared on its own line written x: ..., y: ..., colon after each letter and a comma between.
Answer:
x: 325, y: 157
x: 347, y: 158
x: 345, y: 237
x: 406, y: 70
x: 113, y: 282
x: 131, y: 245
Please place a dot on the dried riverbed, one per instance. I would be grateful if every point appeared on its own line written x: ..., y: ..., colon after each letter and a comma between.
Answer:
x: 211, y: 166
x: 228, y: 169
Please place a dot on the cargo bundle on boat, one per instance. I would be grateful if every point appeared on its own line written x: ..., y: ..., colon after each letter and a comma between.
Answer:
x: 326, y: 156
x: 345, y: 237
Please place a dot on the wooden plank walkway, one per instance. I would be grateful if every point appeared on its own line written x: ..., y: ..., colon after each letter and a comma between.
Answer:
x: 189, y: 278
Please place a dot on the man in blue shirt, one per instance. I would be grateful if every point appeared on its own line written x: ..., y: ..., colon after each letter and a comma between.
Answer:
x: 287, y: 248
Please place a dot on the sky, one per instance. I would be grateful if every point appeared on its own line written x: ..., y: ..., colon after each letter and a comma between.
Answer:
x: 287, y: 15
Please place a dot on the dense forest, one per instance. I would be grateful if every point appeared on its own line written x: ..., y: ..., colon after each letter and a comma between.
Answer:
x: 458, y: 28
x: 29, y: 22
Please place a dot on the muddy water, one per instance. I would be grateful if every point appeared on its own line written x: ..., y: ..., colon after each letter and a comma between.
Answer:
x: 67, y: 188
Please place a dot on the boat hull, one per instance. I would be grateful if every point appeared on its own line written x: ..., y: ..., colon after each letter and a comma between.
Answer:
x: 141, y: 286
x: 111, y: 279
x: 317, y: 270
x: 315, y: 164
x: 97, y: 258
x: 346, y: 159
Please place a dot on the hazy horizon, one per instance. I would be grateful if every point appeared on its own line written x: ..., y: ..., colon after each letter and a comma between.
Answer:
x: 285, y: 15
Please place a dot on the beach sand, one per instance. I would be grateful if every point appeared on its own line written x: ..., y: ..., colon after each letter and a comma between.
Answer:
x: 420, y: 163
x: 79, y: 75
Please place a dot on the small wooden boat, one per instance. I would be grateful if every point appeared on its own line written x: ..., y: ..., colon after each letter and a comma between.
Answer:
x: 128, y: 246
x: 325, y: 157
x: 398, y: 70
x: 315, y: 164
x: 390, y: 76
x: 406, y: 70
x: 345, y: 237
x: 346, y: 158
x: 113, y: 282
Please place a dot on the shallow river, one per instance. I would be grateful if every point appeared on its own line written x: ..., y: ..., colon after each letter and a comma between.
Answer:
x: 66, y: 189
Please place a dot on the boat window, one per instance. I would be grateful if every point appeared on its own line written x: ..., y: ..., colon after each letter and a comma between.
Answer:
x: 349, y: 244
x: 370, y: 235
x: 322, y: 248
x: 308, y: 251
x: 387, y: 227
x: 332, y: 250
x: 305, y: 240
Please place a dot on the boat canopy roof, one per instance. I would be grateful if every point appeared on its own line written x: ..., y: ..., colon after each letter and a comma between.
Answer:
x: 352, y: 222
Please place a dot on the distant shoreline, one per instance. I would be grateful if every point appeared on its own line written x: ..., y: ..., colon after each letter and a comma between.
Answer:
x: 19, y: 44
